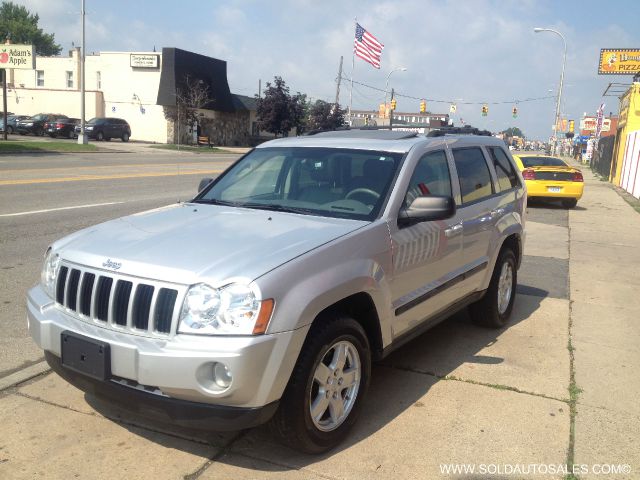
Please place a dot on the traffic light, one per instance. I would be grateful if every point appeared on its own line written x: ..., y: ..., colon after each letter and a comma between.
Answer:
x: 393, y: 104
x: 515, y: 112
x: 423, y: 106
x: 485, y: 110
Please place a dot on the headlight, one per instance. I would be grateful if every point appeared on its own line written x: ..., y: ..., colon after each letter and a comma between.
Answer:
x: 50, y: 272
x: 232, y: 310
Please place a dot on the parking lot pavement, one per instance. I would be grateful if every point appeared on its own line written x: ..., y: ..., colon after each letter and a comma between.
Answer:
x: 457, y: 395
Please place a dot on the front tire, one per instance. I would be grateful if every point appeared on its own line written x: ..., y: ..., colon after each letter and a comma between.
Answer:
x: 125, y: 137
x: 327, y: 386
x: 494, y: 309
x: 100, y: 136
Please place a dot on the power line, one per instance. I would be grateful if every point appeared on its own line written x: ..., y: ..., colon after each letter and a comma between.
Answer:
x: 434, y: 100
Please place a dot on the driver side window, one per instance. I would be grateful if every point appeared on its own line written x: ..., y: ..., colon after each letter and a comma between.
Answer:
x: 431, y: 177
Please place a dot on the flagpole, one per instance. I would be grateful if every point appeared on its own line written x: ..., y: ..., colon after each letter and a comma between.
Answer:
x: 353, y: 63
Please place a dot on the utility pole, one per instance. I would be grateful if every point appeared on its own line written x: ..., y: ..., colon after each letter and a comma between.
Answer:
x: 391, y: 110
x: 338, y: 81
x: 4, y: 102
x: 82, y: 138
x: 259, y: 88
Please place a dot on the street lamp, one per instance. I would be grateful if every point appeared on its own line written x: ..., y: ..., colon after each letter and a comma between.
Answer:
x: 564, y: 61
x: 386, y: 85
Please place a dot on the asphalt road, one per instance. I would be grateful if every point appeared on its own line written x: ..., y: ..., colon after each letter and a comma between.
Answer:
x: 47, y: 196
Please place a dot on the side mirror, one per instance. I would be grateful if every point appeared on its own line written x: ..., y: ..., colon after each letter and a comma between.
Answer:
x: 203, y: 183
x: 425, y: 209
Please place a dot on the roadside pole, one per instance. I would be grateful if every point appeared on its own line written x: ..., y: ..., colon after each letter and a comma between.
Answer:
x: 391, y: 110
x: 4, y: 103
x: 82, y: 138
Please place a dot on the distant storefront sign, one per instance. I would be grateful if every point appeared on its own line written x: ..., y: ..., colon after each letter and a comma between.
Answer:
x: 17, y: 56
x: 619, y: 61
x: 590, y: 124
x: 145, y: 61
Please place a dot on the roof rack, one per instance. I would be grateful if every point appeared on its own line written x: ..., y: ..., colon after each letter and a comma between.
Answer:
x: 379, y: 132
x: 466, y: 130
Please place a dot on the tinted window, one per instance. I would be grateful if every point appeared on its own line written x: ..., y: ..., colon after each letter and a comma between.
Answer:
x: 431, y: 177
x: 473, y: 174
x: 505, y: 172
x: 542, y: 162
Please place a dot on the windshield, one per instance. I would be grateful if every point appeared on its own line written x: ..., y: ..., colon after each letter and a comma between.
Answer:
x: 40, y: 116
x: 529, y: 162
x: 330, y: 182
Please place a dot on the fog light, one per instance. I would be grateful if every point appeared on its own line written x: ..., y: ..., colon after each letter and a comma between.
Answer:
x: 221, y: 375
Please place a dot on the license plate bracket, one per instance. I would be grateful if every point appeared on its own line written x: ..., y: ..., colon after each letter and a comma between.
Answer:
x: 85, y: 355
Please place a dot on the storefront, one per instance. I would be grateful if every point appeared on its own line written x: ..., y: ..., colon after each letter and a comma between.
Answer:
x: 625, y: 169
x: 140, y: 87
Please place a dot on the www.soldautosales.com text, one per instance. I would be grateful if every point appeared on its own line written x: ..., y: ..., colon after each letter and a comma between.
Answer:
x: 534, y: 469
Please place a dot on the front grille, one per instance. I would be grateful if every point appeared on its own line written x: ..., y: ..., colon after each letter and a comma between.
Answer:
x: 116, y: 301
x: 557, y: 176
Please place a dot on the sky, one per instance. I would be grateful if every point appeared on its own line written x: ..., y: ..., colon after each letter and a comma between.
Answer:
x: 464, y: 51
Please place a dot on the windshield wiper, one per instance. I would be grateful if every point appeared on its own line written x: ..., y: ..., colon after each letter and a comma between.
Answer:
x: 213, y: 201
x: 275, y: 208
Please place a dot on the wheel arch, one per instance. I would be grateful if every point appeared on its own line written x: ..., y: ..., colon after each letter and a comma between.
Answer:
x: 361, y: 307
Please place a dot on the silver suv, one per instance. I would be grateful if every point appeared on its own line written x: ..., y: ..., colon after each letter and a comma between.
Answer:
x: 268, y: 296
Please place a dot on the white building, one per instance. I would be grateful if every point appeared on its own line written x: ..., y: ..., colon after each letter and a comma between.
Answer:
x: 138, y: 87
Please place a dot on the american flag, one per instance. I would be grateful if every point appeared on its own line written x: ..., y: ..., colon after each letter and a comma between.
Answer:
x: 367, y: 47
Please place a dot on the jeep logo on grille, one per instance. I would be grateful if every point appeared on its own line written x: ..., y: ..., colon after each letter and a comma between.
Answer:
x: 113, y: 265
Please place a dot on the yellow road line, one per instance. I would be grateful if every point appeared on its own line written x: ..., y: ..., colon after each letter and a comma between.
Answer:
x: 85, y: 178
x: 115, y: 166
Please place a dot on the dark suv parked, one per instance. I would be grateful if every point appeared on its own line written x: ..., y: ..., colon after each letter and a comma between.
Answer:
x: 35, y: 124
x: 106, y: 129
x: 61, y: 127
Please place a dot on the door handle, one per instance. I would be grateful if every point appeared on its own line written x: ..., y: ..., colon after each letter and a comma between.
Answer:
x: 453, y: 230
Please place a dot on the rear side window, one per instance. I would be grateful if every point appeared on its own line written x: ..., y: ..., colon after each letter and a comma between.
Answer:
x: 507, y: 178
x: 431, y: 177
x: 473, y: 174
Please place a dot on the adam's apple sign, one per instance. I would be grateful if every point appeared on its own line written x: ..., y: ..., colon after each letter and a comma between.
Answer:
x: 17, y: 56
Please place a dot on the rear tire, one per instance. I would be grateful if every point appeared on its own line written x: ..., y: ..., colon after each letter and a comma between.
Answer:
x: 494, y: 309
x: 570, y: 202
x: 125, y: 137
x: 331, y: 378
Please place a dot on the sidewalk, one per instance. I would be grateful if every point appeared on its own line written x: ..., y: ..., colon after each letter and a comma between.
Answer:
x: 605, y: 325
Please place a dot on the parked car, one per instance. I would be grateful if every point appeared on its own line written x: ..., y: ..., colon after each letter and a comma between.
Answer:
x: 551, y: 177
x: 62, y: 127
x: 106, y: 129
x: 268, y: 296
x: 35, y: 124
x: 12, y: 120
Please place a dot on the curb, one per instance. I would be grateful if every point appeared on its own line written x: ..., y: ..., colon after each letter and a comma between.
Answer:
x: 24, y: 375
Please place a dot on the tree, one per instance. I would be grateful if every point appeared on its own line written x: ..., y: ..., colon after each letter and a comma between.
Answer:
x: 326, y: 116
x: 191, y: 95
x: 278, y: 112
x: 513, y: 132
x: 20, y: 26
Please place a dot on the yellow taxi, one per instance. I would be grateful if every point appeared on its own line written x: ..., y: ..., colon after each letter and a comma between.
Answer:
x: 551, y: 177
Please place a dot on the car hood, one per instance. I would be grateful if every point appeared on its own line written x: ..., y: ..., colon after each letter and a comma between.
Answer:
x: 190, y: 243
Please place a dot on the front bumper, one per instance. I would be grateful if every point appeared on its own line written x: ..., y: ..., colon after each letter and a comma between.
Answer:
x: 187, y: 414
x: 179, y: 367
